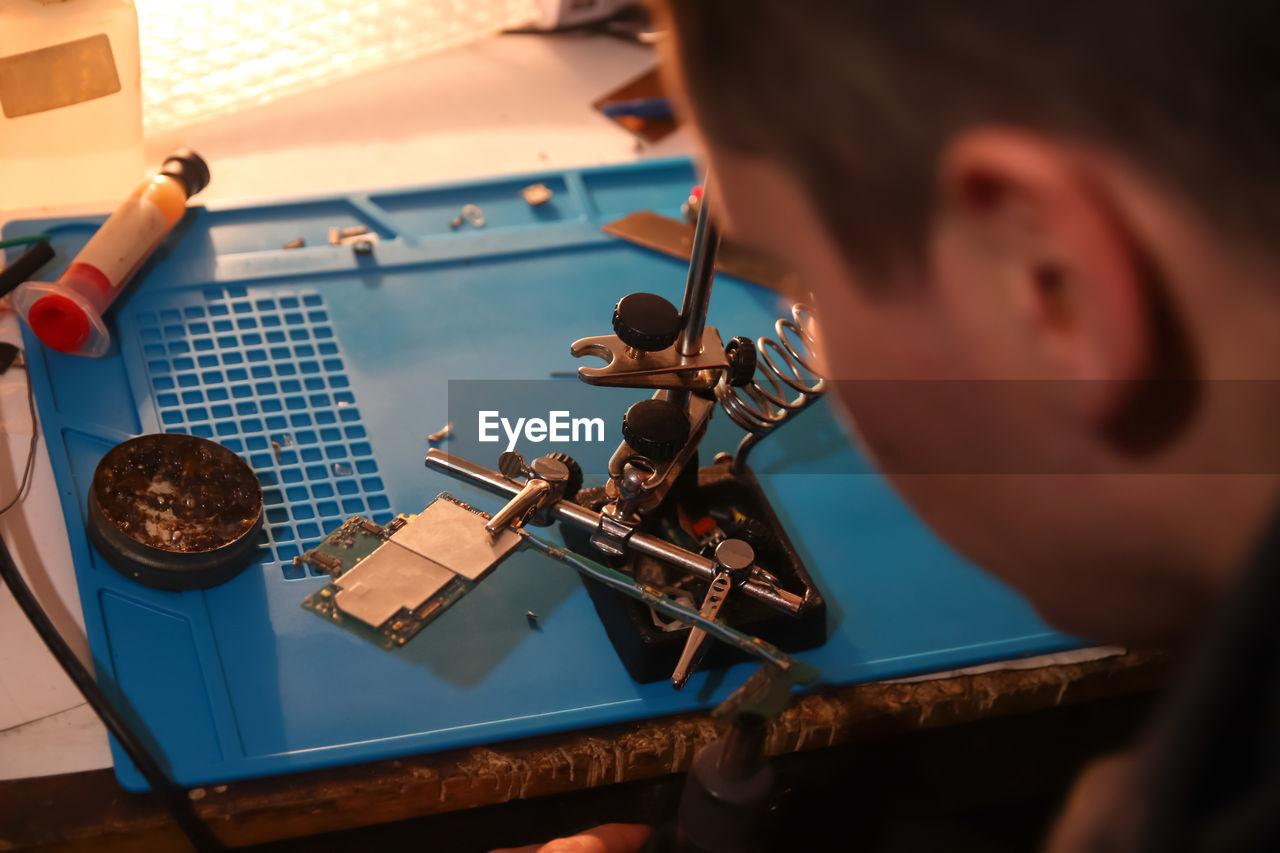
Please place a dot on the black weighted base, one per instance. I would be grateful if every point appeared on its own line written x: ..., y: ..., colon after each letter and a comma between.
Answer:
x: 738, y: 506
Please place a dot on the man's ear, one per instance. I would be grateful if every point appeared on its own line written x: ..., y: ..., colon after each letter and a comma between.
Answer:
x: 1076, y: 289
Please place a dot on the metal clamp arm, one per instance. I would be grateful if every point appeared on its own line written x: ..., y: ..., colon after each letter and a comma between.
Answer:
x: 639, y: 541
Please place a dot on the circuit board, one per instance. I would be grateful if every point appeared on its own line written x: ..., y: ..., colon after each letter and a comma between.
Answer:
x: 389, y: 582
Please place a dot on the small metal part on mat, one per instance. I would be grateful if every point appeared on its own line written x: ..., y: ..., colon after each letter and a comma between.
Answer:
x: 276, y: 449
x: 295, y: 244
x: 473, y: 214
x: 353, y: 231
x: 441, y: 434
x: 361, y: 242
x: 456, y: 222
x: 532, y: 617
x: 335, y: 235
x: 536, y: 194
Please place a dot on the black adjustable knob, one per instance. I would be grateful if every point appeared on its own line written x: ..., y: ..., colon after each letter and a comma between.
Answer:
x: 655, y: 429
x: 646, y: 321
x: 574, y: 483
x: 741, y: 354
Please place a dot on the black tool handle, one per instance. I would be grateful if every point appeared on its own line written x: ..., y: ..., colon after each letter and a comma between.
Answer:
x: 25, y: 266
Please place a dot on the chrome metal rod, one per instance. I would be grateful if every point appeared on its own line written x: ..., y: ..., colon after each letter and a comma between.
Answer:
x: 702, y: 269
x: 644, y: 543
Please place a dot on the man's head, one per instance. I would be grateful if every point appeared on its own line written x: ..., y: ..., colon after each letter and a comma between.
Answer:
x: 1059, y: 217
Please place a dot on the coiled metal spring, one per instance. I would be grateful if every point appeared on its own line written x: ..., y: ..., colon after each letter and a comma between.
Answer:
x: 784, y: 367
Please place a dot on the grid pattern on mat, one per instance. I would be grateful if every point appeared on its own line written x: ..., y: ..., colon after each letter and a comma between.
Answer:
x: 261, y: 372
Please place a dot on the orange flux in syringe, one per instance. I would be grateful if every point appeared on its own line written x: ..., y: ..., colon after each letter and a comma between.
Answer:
x: 67, y: 314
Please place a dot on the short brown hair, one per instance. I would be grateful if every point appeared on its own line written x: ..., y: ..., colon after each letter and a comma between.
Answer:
x: 857, y: 97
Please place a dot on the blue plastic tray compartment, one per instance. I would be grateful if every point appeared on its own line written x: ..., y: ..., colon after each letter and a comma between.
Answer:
x: 326, y: 370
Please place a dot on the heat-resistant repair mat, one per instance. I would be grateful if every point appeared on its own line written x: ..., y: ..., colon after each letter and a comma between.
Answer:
x: 326, y: 369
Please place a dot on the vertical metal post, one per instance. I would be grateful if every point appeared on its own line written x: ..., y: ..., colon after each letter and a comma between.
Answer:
x: 702, y: 269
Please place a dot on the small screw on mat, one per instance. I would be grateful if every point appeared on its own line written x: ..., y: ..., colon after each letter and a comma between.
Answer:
x: 536, y: 194
x: 441, y: 434
x: 473, y: 214
x: 456, y: 222
x: 354, y: 231
x: 532, y: 617
x: 295, y: 244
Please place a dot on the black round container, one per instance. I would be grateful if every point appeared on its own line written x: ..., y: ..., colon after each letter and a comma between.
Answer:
x: 175, y: 511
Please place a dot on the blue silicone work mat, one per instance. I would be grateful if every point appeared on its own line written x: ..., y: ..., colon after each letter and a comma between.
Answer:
x: 345, y: 361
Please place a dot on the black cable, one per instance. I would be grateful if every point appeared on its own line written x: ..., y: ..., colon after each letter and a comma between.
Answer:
x: 175, y: 798
x: 27, y: 264
x: 31, y: 448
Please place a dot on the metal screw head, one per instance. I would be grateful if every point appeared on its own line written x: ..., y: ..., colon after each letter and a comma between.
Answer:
x: 735, y: 555
x: 635, y: 473
x: 511, y: 464
x: 741, y: 354
x: 536, y: 194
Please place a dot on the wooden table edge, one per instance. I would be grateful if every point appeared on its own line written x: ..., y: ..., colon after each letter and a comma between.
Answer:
x: 89, y: 810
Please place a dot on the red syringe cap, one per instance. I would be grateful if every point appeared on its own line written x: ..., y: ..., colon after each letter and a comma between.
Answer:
x: 59, y: 322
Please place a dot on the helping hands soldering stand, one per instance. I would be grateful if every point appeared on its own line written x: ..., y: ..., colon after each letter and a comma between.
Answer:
x: 657, y: 500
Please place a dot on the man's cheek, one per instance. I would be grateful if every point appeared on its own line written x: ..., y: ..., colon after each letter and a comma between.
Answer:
x: 872, y: 418
x: 844, y: 412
